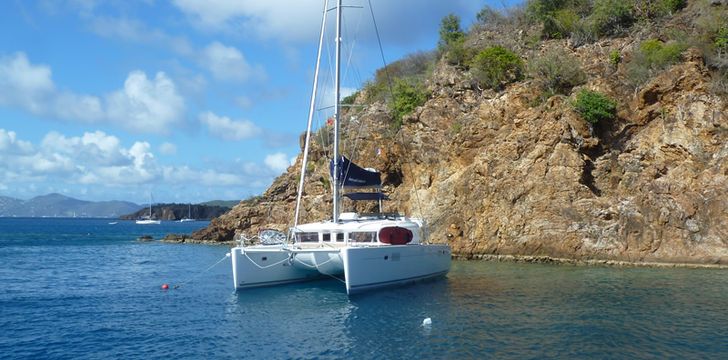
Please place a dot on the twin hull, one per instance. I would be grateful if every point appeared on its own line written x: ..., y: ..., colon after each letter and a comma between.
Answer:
x: 363, y: 268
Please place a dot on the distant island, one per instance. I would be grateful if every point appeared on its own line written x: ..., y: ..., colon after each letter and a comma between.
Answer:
x: 57, y: 205
x: 203, y: 211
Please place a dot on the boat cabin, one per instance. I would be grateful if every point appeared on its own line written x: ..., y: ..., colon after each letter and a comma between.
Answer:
x: 355, y: 229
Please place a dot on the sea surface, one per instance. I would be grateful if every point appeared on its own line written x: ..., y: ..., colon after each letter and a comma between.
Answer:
x: 84, y: 288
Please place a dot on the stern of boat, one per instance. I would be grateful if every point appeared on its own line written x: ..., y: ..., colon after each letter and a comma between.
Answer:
x: 258, y: 266
x: 368, y: 268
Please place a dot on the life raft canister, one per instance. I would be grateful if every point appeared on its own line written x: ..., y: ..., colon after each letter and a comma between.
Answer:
x: 395, y: 235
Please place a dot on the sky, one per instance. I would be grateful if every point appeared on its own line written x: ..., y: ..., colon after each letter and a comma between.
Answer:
x: 188, y: 100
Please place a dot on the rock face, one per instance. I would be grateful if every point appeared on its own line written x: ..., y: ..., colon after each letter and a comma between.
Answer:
x: 172, y: 212
x: 494, y: 174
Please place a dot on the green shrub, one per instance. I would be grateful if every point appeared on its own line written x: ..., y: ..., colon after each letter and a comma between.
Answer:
x: 458, y: 54
x: 720, y: 41
x: 673, y: 6
x: 652, y: 56
x: 489, y: 16
x: 659, y: 54
x: 560, y: 24
x: 406, y: 98
x: 615, y: 58
x: 496, y: 66
x: 654, y: 9
x: 557, y: 72
x: 594, y: 106
x: 413, y: 68
x: 611, y: 17
x: 559, y: 18
x: 582, y: 33
x: 450, y: 31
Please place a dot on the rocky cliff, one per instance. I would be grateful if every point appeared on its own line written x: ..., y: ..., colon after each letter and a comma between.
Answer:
x: 500, y: 173
x: 172, y: 212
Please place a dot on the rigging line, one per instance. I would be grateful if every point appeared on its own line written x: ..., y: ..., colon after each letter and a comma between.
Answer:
x: 202, y: 272
x: 391, y: 91
x: 267, y: 266
x: 310, y: 120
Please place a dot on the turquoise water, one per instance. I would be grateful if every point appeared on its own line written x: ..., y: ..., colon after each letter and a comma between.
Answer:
x: 75, y: 288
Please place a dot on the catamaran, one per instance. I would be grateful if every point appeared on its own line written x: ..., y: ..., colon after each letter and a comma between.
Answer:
x: 364, y: 251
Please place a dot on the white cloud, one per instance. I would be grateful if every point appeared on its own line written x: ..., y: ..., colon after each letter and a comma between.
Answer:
x: 92, y: 149
x: 228, y: 63
x: 99, y: 165
x: 167, y: 148
x: 146, y: 106
x: 286, y: 19
x: 228, y: 129
x: 143, y: 105
x: 23, y: 84
x: 10, y: 144
x: 295, y: 20
x: 277, y: 162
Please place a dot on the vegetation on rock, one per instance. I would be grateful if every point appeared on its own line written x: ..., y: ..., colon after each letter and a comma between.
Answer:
x: 594, y: 106
x: 496, y: 66
x: 557, y: 71
x: 652, y: 56
x: 407, y: 98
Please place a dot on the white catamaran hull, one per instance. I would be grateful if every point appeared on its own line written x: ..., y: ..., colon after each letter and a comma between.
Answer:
x: 267, y: 266
x: 368, y: 268
x: 363, y: 268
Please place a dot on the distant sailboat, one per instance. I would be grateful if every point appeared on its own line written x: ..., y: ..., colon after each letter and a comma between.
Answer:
x: 189, y: 214
x: 147, y: 220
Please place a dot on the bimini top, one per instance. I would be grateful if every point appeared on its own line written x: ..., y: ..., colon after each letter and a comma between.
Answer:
x: 352, y: 175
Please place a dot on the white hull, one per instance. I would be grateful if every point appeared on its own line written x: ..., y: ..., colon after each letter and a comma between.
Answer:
x: 266, y: 266
x: 148, y: 222
x: 369, y: 268
x: 363, y: 267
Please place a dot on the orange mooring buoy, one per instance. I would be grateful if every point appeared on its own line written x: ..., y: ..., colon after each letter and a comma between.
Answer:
x: 165, y: 286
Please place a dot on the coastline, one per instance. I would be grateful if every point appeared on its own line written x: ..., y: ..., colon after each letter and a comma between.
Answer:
x: 533, y: 259
x: 543, y: 259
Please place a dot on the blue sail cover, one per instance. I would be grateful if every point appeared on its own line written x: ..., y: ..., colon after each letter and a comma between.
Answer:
x: 359, y: 196
x: 351, y: 175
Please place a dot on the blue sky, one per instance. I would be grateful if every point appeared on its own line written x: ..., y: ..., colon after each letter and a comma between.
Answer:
x: 190, y: 100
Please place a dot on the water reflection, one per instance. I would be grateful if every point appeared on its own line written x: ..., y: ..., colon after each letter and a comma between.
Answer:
x: 488, y: 310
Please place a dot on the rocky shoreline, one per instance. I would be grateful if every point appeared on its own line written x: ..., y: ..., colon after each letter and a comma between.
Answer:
x: 530, y: 259
x: 580, y: 262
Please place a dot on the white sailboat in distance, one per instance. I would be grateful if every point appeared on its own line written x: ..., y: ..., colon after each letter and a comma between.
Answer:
x: 147, y: 219
x: 189, y: 215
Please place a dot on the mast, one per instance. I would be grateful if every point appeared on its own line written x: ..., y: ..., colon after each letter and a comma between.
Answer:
x: 337, y: 111
x: 310, y: 117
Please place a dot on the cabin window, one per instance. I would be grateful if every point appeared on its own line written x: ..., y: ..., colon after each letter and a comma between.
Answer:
x: 339, y: 237
x: 363, y: 236
x: 307, y: 237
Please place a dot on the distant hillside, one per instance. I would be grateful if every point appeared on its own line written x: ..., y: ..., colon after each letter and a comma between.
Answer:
x: 178, y: 211
x: 57, y: 205
x: 222, y: 203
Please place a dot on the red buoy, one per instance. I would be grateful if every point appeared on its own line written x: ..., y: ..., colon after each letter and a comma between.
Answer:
x: 165, y: 286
